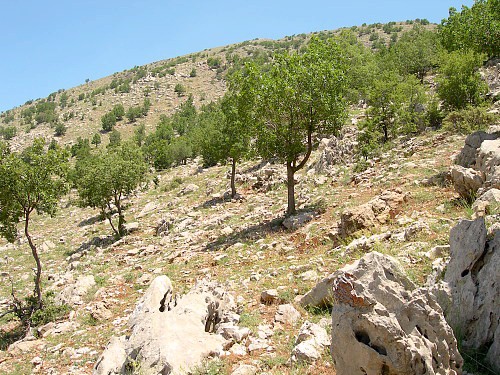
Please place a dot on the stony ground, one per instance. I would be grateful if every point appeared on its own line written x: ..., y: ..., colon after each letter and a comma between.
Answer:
x: 240, y: 243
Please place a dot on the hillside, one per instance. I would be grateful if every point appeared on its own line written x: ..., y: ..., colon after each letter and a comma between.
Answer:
x: 199, y: 269
x: 80, y: 108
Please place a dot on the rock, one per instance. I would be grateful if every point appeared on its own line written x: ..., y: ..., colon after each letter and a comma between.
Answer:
x: 311, y: 343
x: 287, y: 314
x: 131, y: 227
x: 163, y: 326
x: 482, y: 205
x: 377, y: 211
x: 148, y: 208
x: 244, y: 369
x: 466, y: 181
x: 47, y: 246
x: 163, y: 226
x: 72, y: 294
x: 373, y: 265
x: 365, y: 243
x: 231, y: 331
x: 99, y: 311
x: 438, y: 251
x: 310, y: 275
x: 238, y: 349
x: 296, y: 221
x: 270, y: 296
x: 335, y: 151
x: 467, y: 156
x: 188, y: 189
x: 257, y: 344
x: 381, y: 326
x: 20, y: 347
x: 488, y: 162
x: 473, y: 276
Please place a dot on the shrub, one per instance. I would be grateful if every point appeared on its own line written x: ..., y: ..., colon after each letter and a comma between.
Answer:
x: 8, y: 132
x: 60, y: 129
x: 179, y: 89
x: 468, y: 120
x: 193, y: 73
x: 108, y: 121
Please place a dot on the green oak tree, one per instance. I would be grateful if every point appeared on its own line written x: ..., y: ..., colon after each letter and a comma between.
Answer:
x: 105, y: 179
x: 32, y: 181
x: 298, y: 98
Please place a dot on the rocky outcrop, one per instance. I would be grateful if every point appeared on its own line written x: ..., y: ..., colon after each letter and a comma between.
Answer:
x: 467, y: 156
x: 335, y: 151
x: 377, y: 211
x: 170, y: 335
x: 73, y: 293
x: 477, y: 170
x: 381, y: 326
x: 473, y: 277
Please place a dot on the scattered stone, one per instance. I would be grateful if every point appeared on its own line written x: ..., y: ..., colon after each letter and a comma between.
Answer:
x: 270, y: 296
x: 72, y: 294
x: 99, y: 311
x: 483, y: 204
x: 131, y: 227
x: 287, y: 314
x: 438, y: 251
x: 21, y: 347
x: 188, y: 189
x: 244, y: 369
x: 310, y: 275
x: 377, y: 211
x: 466, y: 181
x: 311, y: 342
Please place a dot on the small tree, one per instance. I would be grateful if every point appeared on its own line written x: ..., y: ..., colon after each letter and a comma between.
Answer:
x: 103, y: 180
x: 115, y: 138
x: 459, y: 81
x: 96, y: 139
x: 108, y: 121
x: 60, y: 129
x: 118, y: 111
x: 32, y: 181
x: 300, y: 97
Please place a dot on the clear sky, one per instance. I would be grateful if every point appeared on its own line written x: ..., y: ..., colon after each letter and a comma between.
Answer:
x: 46, y: 45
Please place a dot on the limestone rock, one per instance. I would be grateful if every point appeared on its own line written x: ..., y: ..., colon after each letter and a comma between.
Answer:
x: 188, y: 189
x: 270, y: 296
x: 163, y: 326
x: 287, y: 314
x: 244, y: 369
x: 72, y: 294
x: 486, y: 201
x: 311, y: 343
x: 377, y: 211
x: 381, y: 326
x: 473, y: 277
x: 488, y: 162
x: 374, y: 266
x: 467, y: 156
x: 466, y: 181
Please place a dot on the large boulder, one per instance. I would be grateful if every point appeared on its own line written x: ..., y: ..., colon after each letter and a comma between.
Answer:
x: 377, y: 211
x: 169, y: 335
x: 467, y: 156
x: 473, y: 277
x: 381, y: 326
x: 466, y: 181
x: 488, y: 163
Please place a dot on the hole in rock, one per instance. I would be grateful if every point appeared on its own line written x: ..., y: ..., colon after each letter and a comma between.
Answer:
x: 362, y: 337
x: 465, y: 273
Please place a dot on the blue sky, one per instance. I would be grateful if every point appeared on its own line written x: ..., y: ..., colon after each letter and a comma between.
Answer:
x: 53, y: 44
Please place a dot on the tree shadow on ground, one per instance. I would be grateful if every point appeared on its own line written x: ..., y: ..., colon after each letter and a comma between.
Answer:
x: 90, y: 220
x: 102, y: 242
x: 253, y: 232
x: 220, y: 200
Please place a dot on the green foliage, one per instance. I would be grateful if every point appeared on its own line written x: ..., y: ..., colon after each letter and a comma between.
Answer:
x: 8, y: 132
x: 415, y: 52
x: 300, y: 97
x: 45, y: 112
x: 214, y: 62
x: 51, y: 312
x: 459, y: 82
x: 96, y: 139
x: 81, y: 148
x: 134, y: 113
x: 179, y: 89
x: 106, y: 178
x: 476, y: 28
x: 468, y: 120
x: 108, y: 121
x: 63, y: 100
x: 32, y: 181
x: 140, y: 134
x: 193, y: 73
x: 115, y: 138
x: 60, y: 129
x: 118, y: 111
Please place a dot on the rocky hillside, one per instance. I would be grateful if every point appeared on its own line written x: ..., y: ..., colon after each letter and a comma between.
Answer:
x: 388, y: 270
x: 165, y: 83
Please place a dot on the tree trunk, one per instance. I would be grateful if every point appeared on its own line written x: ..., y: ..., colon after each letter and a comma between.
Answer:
x: 386, y: 135
x: 290, y: 183
x: 121, y: 218
x: 38, y: 291
x: 233, y: 174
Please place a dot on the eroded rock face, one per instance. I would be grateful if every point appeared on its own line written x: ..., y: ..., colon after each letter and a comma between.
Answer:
x: 170, y: 335
x: 467, y: 156
x: 466, y: 181
x: 377, y: 211
x: 473, y: 277
x: 381, y: 326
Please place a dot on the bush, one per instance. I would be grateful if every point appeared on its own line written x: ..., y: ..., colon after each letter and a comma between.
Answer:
x: 118, y: 111
x: 466, y: 121
x: 108, y: 121
x: 193, y: 73
x: 60, y: 129
x: 8, y: 132
x: 179, y: 89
